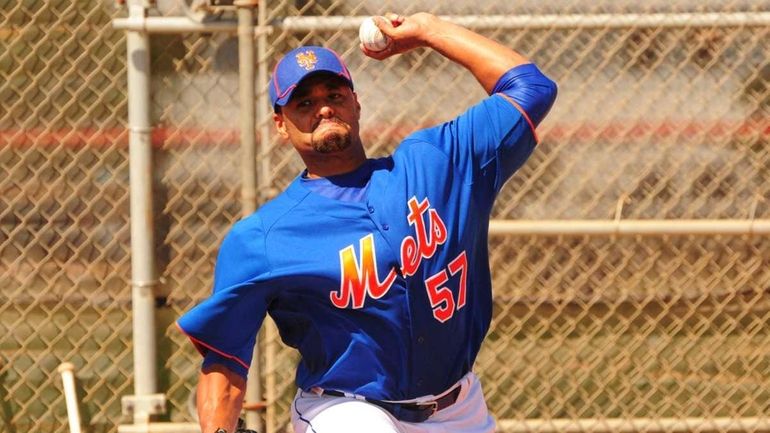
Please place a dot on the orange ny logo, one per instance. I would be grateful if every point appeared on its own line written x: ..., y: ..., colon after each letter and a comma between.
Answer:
x: 307, y: 60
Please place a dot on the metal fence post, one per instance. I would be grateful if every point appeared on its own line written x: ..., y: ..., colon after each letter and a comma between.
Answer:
x: 268, y: 333
x: 145, y: 401
x: 246, y: 76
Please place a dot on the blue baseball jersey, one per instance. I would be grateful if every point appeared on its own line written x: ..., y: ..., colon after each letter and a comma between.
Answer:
x: 386, y: 294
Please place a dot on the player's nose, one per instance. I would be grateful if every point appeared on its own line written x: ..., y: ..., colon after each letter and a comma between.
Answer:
x: 325, y: 112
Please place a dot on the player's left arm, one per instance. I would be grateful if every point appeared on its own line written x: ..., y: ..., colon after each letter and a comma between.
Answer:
x: 219, y: 398
x: 224, y: 326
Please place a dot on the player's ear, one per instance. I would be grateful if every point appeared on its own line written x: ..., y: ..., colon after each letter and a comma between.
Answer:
x: 358, y: 105
x: 280, y: 125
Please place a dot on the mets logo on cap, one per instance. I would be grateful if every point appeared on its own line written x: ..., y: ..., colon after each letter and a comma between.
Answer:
x: 307, y: 60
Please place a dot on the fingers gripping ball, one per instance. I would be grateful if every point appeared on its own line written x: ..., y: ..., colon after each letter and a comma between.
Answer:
x: 371, y: 36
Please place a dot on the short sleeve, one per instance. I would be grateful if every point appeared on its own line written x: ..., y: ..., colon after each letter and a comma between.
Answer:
x: 530, y: 89
x: 212, y: 358
x: 228, y: 321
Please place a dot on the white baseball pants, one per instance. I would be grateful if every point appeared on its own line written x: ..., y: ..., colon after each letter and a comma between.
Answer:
x: 313, y: 413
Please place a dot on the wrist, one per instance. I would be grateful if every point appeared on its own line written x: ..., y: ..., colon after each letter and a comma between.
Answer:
x: 431, y: 28
x: 441, y: 35
x: 219, y: 428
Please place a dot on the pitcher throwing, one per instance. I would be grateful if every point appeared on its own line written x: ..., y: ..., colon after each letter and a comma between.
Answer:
x: 375, y: 270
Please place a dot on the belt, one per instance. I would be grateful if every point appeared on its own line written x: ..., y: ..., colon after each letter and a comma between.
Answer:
x: 408, y: 412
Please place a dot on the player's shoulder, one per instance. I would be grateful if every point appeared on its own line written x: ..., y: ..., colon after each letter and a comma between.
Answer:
x: 267, y: 215
x: 244, y: 234
x: 476, y: 119
x: 425, y: 142
x: 249, y: 235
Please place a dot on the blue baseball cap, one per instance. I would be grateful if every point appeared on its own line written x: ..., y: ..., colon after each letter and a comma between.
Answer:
x: 297, y: 64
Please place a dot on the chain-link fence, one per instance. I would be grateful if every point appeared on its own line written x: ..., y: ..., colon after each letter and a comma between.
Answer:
x: 64, y: 255
x: 670, y: 116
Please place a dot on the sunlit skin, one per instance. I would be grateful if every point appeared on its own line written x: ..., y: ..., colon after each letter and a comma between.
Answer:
x: 321, y: 121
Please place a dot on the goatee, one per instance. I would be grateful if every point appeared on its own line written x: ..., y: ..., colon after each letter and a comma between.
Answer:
x: 332, y: 142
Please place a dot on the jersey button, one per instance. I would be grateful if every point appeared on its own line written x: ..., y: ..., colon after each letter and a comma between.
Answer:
x: 421, y: 339
x: 371, y: 209
x: 385, y: 227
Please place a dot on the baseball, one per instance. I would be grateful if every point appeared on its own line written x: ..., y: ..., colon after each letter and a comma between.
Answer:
x: 371, y: 36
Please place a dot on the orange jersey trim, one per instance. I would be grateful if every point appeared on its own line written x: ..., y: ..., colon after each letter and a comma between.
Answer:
x: 198, y: 344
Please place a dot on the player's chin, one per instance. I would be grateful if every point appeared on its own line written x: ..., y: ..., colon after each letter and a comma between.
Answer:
x: 331, y: 142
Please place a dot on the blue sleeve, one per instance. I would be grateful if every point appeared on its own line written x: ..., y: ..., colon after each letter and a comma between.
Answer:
x: 227, y: 322
x: 527, y: 86
x: 491, y: 140
x: 485, y: 145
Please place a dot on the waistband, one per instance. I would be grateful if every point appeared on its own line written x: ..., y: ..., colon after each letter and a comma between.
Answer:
x: 407, y: 412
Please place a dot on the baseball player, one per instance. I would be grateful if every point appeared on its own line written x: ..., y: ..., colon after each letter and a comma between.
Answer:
x: 375, y: 270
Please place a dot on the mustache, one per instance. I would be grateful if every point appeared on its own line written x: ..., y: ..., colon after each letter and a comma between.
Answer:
x: 336, y: 120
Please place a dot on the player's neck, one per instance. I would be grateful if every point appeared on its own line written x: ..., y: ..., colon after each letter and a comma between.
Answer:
x: 334, y: 164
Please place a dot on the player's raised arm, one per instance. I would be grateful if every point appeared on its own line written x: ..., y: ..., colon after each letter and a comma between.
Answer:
x: 486, y: 59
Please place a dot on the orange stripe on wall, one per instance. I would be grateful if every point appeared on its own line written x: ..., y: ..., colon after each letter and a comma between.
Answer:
x: 583, y: 132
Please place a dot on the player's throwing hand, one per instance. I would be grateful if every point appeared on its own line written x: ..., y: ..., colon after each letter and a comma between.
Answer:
x: 405, y: 33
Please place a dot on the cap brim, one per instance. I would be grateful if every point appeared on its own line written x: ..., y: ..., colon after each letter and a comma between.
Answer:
x: 290, y: 91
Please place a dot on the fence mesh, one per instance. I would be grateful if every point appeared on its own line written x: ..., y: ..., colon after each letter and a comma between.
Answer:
x: 671, y: 121
x: 64, y: 256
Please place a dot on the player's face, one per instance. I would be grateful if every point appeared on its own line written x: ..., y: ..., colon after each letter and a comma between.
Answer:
x: 321, y: 116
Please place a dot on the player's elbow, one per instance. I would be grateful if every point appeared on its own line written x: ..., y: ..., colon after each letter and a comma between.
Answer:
x: 541, y: 92
x: 537, y: 97
x: 531, y: 89
x: 548, y: 92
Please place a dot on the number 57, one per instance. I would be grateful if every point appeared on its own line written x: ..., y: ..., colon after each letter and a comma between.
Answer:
x: 441, y: 298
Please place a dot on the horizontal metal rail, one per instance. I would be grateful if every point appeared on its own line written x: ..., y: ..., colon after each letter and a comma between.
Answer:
x: 681, y: 227
x: 160, y: 427
x: 555, y: 21
x: 174, y: 25
x: 634, y: 425
x: 608, y: 425
x: 156, y: 24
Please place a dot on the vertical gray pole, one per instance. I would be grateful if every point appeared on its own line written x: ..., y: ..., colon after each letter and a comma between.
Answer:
x: 264, y: 110
x: 247, y: 106
x: 248, y: 169
x: 143, y: 272
x: 268, y: 334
